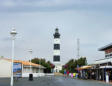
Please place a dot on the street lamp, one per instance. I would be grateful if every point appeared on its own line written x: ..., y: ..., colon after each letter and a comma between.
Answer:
x: 30, y: 74
x: 30, y: 51
x: 13, y: 34
x: 39, y: 66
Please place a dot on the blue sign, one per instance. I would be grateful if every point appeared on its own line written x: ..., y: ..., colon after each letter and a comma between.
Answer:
x: 78, y: 68
x: 17, y: 69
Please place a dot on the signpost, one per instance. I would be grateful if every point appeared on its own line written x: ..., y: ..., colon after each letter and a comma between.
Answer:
x: 17, y: 70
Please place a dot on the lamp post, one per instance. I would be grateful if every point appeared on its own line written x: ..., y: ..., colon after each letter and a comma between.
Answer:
x: 13, y: 34
x: 30, y: 74
x: 30, y: 50
x: 39, y: 66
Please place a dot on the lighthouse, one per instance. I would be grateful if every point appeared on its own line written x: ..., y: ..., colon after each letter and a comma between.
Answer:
x: 56, y: 56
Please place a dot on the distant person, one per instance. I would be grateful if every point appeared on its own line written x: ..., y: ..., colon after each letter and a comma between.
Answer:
x: 74, y: 74
x: 65, y: 73
x: 68, y: 73
x: 71, y: 75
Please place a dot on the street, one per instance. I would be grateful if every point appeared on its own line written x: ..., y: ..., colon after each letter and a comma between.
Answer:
x: 52, y: 81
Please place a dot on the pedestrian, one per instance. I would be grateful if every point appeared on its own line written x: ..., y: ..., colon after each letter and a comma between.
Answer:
x: 71, y: 75
x: 65, y: 73
x: 74, y: 74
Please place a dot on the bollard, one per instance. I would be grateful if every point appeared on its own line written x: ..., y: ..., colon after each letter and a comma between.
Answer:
x: 30, y: 77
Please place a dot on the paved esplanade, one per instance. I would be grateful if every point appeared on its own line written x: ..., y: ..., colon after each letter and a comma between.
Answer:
x: 53, y: 81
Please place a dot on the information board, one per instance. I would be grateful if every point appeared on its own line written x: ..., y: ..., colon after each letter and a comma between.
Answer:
x: 17, y: 70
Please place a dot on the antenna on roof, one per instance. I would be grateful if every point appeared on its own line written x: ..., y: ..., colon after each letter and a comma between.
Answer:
x: 78, y: 48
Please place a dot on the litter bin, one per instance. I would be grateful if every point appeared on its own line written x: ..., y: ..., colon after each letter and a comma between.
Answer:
x: 30, y: 77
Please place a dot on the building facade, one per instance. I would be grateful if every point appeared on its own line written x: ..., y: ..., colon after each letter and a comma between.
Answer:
x: 101, y: 69
x: 104, y: 65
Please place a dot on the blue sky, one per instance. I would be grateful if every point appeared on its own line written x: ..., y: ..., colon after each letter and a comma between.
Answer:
x: 36, y: 20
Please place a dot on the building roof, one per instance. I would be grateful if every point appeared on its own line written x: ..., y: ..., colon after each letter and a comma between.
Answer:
x: 25, y: 63
x: 106, y: 47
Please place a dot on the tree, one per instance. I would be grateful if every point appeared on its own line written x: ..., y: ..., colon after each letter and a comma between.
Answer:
x: 47, y: 64
x: 82, y: 61
x: 72, y: 64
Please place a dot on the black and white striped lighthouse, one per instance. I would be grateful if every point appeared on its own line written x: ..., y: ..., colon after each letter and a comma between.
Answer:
x: 56, y: 56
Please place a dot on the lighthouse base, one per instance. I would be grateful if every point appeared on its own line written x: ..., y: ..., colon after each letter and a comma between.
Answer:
x: 57, y: 68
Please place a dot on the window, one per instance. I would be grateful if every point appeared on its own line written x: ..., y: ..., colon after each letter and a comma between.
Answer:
x: 56, y: 35
x: 56, y: 46
x: 56, y: 58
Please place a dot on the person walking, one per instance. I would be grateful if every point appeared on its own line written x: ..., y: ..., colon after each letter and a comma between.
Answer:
x: 65, y: 73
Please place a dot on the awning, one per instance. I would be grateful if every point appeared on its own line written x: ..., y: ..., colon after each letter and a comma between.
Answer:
x: 108, y: 67
x: 84, y: 67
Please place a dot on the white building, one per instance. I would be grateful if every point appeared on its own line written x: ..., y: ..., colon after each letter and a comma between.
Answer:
x: 5, y: 68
